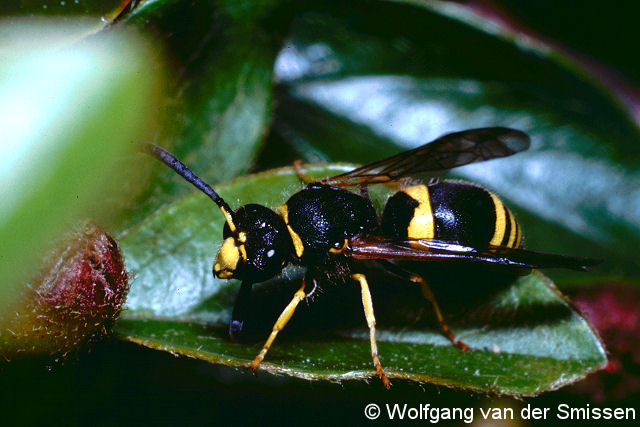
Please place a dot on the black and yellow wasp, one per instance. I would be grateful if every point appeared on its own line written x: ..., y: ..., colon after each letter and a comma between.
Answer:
x: 329, y: 229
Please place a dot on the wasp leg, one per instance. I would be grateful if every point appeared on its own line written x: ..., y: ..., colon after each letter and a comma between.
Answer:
x: 371, y: 322
x: 297, y: 165
x: 279, y: 325
x: 428, y: 294
x: 240, y: 309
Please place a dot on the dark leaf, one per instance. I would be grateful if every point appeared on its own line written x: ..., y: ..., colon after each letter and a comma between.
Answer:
x: 526, y: 338
x: 575, y: 190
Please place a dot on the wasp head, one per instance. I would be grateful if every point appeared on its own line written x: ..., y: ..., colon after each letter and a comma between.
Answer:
x: 256, y: 245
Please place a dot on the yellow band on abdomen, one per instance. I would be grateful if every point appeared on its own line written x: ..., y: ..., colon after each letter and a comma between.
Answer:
x: 501, y: 221
x: 421, y: 225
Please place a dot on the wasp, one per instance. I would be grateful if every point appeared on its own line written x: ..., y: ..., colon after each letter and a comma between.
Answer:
x: 331, y: 227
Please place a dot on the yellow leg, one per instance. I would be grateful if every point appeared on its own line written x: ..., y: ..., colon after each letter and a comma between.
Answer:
x: 371, y: 321
x: 279, y: 325
x: 297, y: 165
x: 428, y: 294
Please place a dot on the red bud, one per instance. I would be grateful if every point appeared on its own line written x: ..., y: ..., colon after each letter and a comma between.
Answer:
x: 75, y: 300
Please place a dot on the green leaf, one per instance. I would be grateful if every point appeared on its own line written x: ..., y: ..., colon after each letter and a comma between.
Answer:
x: 573, y: 51
x: 219, y: 108
x: 526, y: 338
x: 575, y: 190
x: 68, y: 114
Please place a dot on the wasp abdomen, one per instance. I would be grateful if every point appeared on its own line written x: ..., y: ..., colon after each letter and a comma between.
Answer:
x: 452, y: 211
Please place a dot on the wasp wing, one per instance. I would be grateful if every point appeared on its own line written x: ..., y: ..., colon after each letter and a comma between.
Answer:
x: 431, y: 250
x: 447, y: 152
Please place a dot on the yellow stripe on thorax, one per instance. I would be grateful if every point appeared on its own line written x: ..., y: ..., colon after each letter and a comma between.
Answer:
x: 501, y: 221
x: 297, y: 242
x: 421, y: 225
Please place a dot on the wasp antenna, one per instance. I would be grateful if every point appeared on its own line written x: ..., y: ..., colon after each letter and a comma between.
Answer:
x: 181, y: 169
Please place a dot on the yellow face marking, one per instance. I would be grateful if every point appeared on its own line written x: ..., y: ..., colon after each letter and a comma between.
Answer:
x: 297, y: 242
x: 421, y: 225
x: 227, y: 259
x: 340, y: 249
x: 242, y: 238
x: 513, y: 230
x: 501, y: 221
x: 227, y: 217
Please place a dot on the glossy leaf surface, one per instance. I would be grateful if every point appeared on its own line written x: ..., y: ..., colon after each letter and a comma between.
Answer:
x: 525, y: 338
x: 219, y: 104
x: 575, y: 189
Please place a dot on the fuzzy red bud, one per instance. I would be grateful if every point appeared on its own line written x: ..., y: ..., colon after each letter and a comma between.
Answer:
x: 74, y: 300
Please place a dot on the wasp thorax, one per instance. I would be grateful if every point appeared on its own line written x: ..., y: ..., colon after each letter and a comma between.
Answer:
x: 258, y: 247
